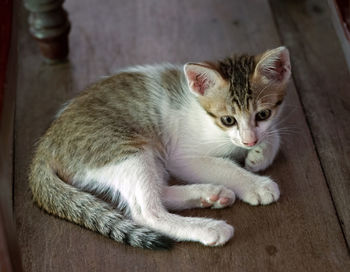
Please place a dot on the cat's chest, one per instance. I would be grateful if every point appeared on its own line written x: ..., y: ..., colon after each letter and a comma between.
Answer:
x: 190, y: 132
x: 190, y: 143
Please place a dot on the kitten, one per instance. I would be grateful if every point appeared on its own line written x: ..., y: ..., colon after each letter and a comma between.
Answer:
x: 126, y: 134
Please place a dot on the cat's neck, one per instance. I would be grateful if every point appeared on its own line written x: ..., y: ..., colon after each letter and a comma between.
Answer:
x: 192, y: 131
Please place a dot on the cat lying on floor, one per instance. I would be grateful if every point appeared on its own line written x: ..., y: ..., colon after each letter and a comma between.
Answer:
x: 127, y: 133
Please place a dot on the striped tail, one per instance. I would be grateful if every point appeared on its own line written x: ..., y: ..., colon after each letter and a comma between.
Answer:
x: 68, y: 202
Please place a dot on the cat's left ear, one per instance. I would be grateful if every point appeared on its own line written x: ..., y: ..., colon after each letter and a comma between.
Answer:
x: 274, y: 66
x: 202, y: 78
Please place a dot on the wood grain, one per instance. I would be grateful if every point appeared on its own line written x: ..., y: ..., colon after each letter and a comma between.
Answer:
x: 5, y: 38
x: 299, y: 233
x: 340, y: 25
x: 323, y: 81
x: 9, y: 250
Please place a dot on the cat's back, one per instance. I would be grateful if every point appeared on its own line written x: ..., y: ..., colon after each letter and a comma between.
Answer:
x: 139, y: 87
x: 125, y: 109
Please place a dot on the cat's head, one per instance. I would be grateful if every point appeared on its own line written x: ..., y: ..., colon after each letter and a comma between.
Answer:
x: 242, y: 94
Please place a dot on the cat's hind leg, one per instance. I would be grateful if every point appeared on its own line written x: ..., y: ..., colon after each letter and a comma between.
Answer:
x: 180, y: 197
x: 140, y: 180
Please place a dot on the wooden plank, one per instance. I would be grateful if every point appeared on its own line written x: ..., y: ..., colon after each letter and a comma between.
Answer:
x: 299, y: 233
x: 340, y: 27
x: 9, y: 251
x: 323, y: 81
x: 5, y: 36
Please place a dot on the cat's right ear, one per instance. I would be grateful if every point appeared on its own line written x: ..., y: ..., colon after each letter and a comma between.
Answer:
x: 201, y: 78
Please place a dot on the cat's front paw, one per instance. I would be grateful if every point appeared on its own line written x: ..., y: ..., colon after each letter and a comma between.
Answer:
x: 257, y: 160
x: 263, y: 191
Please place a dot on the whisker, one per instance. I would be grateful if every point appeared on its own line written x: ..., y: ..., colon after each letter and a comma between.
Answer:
x: 286, y: 117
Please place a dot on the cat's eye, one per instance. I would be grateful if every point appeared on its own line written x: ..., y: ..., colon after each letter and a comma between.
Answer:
x: 228, y: 121
x: 262, y: 115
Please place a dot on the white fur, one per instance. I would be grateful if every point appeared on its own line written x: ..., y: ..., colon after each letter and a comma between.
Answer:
x: 62, y: 109
x: 195, y: 152
x: 140, y: 181
x: 180, y: 197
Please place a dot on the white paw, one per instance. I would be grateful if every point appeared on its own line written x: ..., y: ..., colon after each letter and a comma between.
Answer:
x: 263, y: 191
x: 256, y: 160
x: 217, y: 233
x: 216, y: 197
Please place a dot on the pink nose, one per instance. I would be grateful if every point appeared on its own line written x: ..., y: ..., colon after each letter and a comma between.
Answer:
x: 251, y: 143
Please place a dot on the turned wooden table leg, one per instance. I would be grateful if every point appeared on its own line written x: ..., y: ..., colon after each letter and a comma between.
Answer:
x: 49, y: 25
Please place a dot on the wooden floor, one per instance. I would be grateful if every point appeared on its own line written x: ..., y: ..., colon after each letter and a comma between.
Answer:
x: 307, y: 230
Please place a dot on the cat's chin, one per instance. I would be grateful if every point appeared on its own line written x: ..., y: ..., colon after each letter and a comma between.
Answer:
x: 239, y: 145
x: 243, y: 146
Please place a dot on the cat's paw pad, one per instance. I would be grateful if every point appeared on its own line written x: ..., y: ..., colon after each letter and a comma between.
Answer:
x: 263, y: 191
x: 217, y: 234
x: 217, y: 197
x: 255, y: 160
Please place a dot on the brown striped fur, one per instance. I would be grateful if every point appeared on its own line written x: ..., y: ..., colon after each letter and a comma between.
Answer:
x: 119, y: 117
x: 243, y: 88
